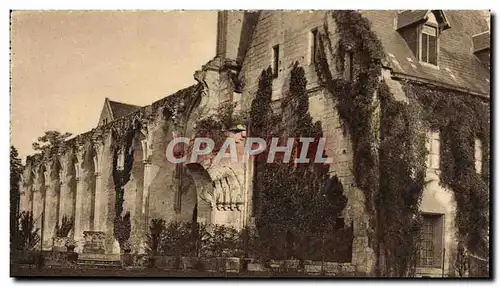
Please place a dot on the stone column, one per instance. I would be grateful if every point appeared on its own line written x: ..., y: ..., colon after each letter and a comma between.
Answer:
x: 26, y: 198
x: 51, y: 206
x: 79, y: 225
x: 100, y: 196
x: 104, y: 194
x: 38, y: 195
x: 66, y: 194
x: 144, y: 216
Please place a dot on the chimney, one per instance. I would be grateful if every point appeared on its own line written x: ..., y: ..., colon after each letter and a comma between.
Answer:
x: 234, y: 32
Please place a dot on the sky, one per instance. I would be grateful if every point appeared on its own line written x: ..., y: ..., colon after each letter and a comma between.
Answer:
x: 64, y: 64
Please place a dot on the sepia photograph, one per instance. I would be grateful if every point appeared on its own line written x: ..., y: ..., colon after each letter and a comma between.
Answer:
x: 250, y: 143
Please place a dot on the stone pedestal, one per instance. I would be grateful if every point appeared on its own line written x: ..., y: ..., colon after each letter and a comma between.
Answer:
x: 94, y: 242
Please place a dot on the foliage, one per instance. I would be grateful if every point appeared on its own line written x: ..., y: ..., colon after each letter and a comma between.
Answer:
x: 402, y: 174
x: 262, y: 122
x: 192, y: 239
x: 16, y: 169
x: 50, y: 143
x: 354, y: 98
x: 461, y: 118
x: 460, y: 262
x: 124, y: 138
x: 223, y: 241
x: 390, y: 169
x: 396, y: 182
x: 297, y: 202
x: 65, y: 227
x: 27, y: 236
x: 155, y: 237
x: 216, y: 125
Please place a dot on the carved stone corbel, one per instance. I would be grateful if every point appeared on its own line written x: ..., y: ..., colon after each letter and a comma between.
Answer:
x: 98, y: 145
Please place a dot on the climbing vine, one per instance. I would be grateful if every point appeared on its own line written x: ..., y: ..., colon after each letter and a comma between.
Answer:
x: 461, y: 118
x: 354, y: 97
x: 298, y: 204
x: 215, y: 126
x: 123, y: 140
x: 391, y: 169
x: 402, y: 173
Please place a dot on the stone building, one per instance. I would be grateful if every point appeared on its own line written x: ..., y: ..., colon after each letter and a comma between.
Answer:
x: 446, y: 49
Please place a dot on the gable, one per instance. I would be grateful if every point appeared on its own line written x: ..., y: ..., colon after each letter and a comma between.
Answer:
x: 105, y: 116
x: 112, y: 110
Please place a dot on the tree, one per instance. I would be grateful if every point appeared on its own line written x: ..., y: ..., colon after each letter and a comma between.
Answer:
x: 16, y: 169
x: 299, y: 202
x: 50, y: 143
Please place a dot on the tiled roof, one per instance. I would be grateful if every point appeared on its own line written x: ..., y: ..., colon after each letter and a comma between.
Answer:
x: 120, y: 110
x: 457, y: 64
x: 409, y: 17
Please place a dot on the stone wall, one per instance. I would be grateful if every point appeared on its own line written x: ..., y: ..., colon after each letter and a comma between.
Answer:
x: 292, y: 32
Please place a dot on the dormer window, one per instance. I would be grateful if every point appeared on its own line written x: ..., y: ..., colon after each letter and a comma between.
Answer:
x: 421, y: 30
x: 428, y: 45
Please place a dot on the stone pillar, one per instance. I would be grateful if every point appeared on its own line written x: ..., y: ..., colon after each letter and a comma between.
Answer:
x: 105, y: 192
x: 66, y: 193
x: 79, y: 221
x: 51, y: 206
x: 38, y: 195
x: 100, y: 197
x: 26, y: 199
x: 143, y: 220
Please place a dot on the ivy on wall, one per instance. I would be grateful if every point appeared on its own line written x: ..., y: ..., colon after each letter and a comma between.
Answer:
x: 216, y: 126
x: 298, y: 204
x: 354, y: 97
x: 402, y: 156
x: 391, y: 169
x: 461, y: 118
x: 123, y: 140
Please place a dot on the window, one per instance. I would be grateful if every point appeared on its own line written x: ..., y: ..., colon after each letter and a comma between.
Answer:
x: 433, y: 146
x: 427, y: 243
x: 104, y: 121
x: 478, y: 155
x: 276, y: 59
x: 313, y: 42
x: 431, y: 241
x: 428, y: 45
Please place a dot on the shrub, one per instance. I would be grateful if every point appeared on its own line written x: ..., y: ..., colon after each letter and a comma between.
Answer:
x: 65, y: 227
x: 26, y: 237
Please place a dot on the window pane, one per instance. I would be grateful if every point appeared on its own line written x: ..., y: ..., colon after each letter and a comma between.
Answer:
x: 427, y: 242
x: 435, y: 161
x: 432, y: 50
x: 424, y: 48
x: 435, y: 145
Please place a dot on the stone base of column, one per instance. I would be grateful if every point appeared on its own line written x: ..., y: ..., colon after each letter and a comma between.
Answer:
x: 94, y: 242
